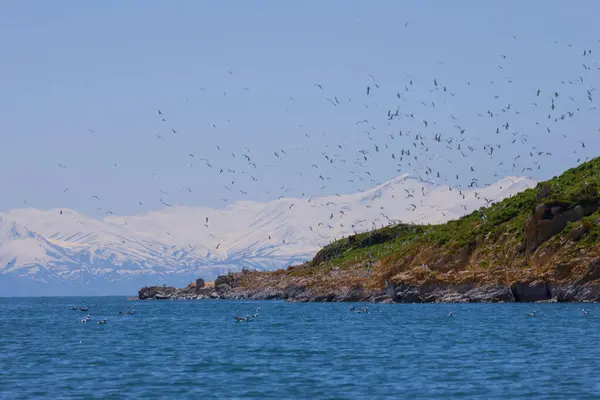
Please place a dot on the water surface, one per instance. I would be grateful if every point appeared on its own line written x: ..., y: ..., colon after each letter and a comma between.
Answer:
x: 189, y: 349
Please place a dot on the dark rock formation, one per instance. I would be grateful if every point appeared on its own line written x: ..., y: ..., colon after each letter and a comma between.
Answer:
x: 525, y: 292
x: 536, y: 291
x: 190, y: 292
x: 550, y: 219
x: 293, y: 290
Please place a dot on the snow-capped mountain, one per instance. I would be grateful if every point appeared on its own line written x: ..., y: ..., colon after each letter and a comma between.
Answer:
x: 46, y: 252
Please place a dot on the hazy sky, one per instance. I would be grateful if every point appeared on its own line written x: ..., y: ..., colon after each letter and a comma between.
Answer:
x: 82, y: 82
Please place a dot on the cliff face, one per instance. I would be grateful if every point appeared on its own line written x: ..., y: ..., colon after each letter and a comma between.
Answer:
x: 541, y: 244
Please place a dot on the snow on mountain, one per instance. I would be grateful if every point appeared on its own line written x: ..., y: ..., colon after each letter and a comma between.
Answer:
x: 72, y: 253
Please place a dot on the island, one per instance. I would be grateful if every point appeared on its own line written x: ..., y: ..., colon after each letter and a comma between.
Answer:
x: 539, y: 245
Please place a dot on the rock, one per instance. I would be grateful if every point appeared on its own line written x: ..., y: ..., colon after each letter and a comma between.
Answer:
x: 224, y: 283
x: 324, y: 298
x: 214, y: 295
x: 353, y: 294
x: 592, y: 273
x: 199, y: 284
x: 491, y: 294
x: 409, y: 296
x: 589, y: 293
x: 531, y: 233
x: 383, y: 299
x: 544, y: 190
x: 539, y: 212
x: 578, y: 233
x: 556, y: 210
x: 549, y: 220
x: 223, y: 288
x: 519, y: 248
x: 525, y: 292
x: 293, y: 290
x: 449, y: 297
x: 151, y: 292
x: 390, y: 290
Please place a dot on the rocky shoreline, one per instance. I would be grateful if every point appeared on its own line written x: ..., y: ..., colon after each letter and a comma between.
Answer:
x: 523, y: 292
x: 540, y: 245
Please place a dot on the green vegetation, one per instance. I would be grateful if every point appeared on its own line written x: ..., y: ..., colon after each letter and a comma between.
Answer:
x: 502, y: 223
x: 511, y: 241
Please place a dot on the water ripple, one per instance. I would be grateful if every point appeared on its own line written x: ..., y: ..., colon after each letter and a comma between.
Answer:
x: 191, y: 349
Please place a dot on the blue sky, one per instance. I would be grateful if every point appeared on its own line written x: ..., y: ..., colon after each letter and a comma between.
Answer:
x: 82, y: 82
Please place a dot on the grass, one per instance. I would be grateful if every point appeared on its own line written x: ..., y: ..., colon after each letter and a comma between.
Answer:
x: 487, y: 245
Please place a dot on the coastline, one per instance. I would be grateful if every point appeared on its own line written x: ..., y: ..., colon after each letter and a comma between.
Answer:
x: 521, y: 292
x: 540, y: 245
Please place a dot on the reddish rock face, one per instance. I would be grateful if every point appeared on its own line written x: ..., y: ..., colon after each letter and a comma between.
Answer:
x: 531, y: 233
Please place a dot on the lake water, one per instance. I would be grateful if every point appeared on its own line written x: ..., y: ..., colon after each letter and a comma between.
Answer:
x: 195, y: 349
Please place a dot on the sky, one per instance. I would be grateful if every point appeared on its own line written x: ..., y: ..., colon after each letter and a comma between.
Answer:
x: 236, y: 82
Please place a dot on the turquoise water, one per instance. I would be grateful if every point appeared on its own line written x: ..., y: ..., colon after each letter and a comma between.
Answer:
x: 195, y: 349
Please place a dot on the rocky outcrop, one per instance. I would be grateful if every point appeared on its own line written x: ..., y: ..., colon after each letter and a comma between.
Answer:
x: 549, y: 218
x: 453, y: 294
x: 524, y: 292
x: 191, y: 292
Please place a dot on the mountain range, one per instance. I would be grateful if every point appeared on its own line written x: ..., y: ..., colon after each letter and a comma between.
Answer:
x: 63, y: 252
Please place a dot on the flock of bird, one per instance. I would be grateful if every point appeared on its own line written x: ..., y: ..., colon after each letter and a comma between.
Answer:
x: 407, y: 127
x: 365, y: 310
x: 102, y: 321
x: 250, y: 317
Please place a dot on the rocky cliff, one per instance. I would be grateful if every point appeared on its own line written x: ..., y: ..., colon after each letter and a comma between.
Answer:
x: 539, y: 245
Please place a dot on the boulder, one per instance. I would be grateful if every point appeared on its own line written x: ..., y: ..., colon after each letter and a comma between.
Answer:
x: 409, y: 296
x: 547, y: 220
x: 544, y: 190
x: 578, y: 233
